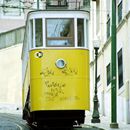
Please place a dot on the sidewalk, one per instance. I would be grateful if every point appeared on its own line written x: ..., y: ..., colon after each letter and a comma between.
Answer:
x: 105, y: 123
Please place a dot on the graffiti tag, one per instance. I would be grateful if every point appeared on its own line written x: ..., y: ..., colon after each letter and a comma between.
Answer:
x: 47, y: 72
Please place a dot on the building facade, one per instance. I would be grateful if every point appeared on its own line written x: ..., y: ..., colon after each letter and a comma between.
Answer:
x: 101, y: 11
x: 11, y: 15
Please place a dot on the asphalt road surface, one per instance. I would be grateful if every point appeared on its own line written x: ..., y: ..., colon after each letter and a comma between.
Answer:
x: 12, y: 122
x: 15, y: 122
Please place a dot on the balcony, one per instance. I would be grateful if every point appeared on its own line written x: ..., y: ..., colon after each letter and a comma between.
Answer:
x: 57, y: 4
x: 68, y: 4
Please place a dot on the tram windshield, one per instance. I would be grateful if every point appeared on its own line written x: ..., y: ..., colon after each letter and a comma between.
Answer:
x: 60, y: 32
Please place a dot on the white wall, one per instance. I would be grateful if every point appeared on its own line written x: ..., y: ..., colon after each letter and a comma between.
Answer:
x: 10, y: 77
x: 8, y: 24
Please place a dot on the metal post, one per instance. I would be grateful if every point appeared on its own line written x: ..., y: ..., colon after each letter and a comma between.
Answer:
x: 95, y: 116
x: 38, y: 4
x: 114, y: 123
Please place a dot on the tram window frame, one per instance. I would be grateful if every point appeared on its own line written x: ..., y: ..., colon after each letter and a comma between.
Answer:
x: 38, y: 34
x: 81, y: 33
x: 31, y: 33
x: 86, y: 32
x: 63, y: 37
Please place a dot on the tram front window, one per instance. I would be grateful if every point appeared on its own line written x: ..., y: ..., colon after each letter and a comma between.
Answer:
x: 60, y: 32
x: 80, y: 34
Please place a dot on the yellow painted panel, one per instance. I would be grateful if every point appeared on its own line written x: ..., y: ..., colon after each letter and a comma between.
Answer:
x: 53, y: 88
x: 26, y: 85
x: 59, y: 94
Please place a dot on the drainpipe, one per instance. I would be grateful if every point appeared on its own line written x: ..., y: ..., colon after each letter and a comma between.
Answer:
x: 114, y: 123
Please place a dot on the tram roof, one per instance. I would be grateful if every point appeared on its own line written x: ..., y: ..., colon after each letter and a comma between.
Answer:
x: 59, y: 13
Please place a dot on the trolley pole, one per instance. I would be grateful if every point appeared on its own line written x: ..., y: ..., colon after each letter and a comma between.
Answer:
x: 114, y: 123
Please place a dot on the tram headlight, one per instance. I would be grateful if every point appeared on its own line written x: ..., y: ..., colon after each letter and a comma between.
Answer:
x: 60, y: 63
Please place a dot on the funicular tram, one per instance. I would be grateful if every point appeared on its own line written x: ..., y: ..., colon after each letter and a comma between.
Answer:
x: 55, y: 68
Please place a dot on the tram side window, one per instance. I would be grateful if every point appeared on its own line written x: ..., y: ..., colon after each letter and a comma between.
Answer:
x: 60, y: 32
x: 31, y: 32
x: 87, y: 33
x: 80, y: 34
x: 38, y: 32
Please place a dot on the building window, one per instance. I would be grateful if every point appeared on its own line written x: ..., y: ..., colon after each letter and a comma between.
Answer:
x: 120, y: 69
x: 108, y: 74
x: 86, y: 2
x: 108, y: 28
x: 56, y: 2
x: 12, y: 8
x: 120, y: 12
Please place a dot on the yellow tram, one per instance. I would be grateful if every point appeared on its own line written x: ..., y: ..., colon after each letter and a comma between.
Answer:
x: 55, y: 68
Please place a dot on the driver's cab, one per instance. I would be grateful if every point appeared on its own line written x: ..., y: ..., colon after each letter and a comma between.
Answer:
x: 58, y: 29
